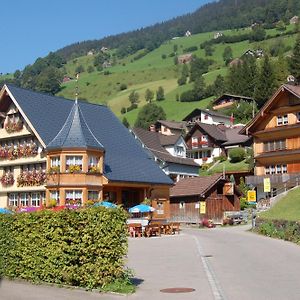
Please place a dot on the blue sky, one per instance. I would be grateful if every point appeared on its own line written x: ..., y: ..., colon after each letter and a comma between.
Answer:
x: 32, y: 28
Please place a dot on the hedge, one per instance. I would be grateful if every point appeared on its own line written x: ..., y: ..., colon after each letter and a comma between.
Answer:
x: 84, y: 247
x: 282, y: 229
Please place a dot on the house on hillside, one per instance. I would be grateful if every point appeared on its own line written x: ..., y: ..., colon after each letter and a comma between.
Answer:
x: 185, y: 58
x: 227, y: 100
x: 217, y: 35
x: 258, y: 53
x: 187, y: 33
x: 169, y: 152
x: 209, y: 197
x: 104, y: 49
x: 206, y: 116
x: 90, y: 53
x: 71, y: 152
x: 294, y: 20
x: 205, y: 142
x: 276, y: 142
x: 171, y: 127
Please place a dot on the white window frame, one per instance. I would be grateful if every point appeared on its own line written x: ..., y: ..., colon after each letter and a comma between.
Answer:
x: 35, y: 199
x: 13, y: 201
x: 74, y: 195
x: 55, y: 161
x: 55, y: 195
x: 267, y: 170
x: 24, y: 199
x: 284, y: 169
x: 93, y: 161
x: 282, y: 120
x: 75, y: 160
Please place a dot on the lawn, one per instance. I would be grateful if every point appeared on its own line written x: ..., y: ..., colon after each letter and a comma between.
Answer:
x: 288, y: 208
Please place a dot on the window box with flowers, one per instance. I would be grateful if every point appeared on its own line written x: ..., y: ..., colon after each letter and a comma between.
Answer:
x: 74, y: 168
x: 13, y: 152
x: 31, y: 178
x: 13, y: 126
x: 54, y: 170
x: 94, y: 169
x: 204, y: 158
x: 7, y: 179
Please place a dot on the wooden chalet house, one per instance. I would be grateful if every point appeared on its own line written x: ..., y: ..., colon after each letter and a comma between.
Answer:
x: 52, y: 148
x: 208, y: 197
x: 276, y: 142
x: 227, y: 100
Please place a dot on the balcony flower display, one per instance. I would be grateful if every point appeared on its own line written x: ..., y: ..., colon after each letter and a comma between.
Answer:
x: 31, y: 178
x: 54, y: 170
x: 13, y: 152
x: 73, y: 168
x: 13, y: 126
x: 94, y: 169
x: 7, y: 179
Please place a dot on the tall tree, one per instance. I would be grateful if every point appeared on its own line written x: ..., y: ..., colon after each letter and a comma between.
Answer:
x: 295, y: 60
x: 199, y: 66
x: 134, y: 97
x: 149, y: 95
x: 160, y: 94
x: 148, y: 115
x: 266, y: 83
x: 219, y: 86
x: 227, y: 55
x: 199, y: 88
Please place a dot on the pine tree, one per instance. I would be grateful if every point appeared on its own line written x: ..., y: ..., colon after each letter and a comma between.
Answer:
x: 149, y: 95
x: 266, y: 83
x: 160, y: 94
x: 199, y: 89
x: 295, y: 61
x: 249, y: 77
x: 219, y: 86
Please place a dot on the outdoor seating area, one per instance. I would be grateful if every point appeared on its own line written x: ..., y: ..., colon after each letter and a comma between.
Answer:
x: 154, y: 228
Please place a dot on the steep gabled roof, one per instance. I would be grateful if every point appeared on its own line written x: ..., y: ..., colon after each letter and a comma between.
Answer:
x: 197, y: 186
x: 173, y: 124
x: 75, y: 133
x: 197, y: 112
x: 236, y: 97
x: 167, y: 140
x: 124, y: 158
x: 295, y: 90
x: 151, y: 140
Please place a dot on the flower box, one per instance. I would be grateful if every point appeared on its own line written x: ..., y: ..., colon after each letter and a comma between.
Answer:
x: 7, y: 179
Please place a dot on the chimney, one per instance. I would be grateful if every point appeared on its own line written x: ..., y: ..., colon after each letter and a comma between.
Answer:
x: 152, y: 128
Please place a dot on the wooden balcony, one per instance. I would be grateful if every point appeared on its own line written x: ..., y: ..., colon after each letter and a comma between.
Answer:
x: 74, y: 179
x: 21, y: 133
x: 223, y: 105
x: 290, y: 179
x: 279, y: 156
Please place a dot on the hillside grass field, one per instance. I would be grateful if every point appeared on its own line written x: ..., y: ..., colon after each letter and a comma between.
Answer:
x: 155, y: 69
x: 287, y: 208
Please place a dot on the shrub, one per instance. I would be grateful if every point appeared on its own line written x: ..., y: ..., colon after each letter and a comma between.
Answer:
x: 85, y: 247
x: 188, y: 96
x: 237, y: 155
x: 123, y: 110
x: 123, y: 87
x: 190, y: 49
x: 163, y: 56
x: 90, y: 69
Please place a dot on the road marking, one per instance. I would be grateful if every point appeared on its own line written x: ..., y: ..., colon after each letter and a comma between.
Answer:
x: 212, y: 279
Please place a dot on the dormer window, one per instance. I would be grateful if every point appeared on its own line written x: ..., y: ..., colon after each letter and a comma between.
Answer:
x: 282, y: 120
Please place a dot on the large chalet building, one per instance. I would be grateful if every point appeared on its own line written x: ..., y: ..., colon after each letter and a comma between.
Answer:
x: 71, y: 152
x: 276, y: 142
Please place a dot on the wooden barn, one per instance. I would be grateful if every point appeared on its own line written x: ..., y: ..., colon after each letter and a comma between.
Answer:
x: 208, y: 197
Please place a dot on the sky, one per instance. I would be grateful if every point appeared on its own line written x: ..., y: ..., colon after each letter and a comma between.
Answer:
x: 32, y: 28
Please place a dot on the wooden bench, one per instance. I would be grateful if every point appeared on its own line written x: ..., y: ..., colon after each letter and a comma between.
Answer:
x: 135, y: 230
x: 175, y: 227
x: 152, y: 229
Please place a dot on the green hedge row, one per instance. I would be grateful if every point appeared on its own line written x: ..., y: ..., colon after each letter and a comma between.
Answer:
x: 282, y: 229
x: 83, y: 248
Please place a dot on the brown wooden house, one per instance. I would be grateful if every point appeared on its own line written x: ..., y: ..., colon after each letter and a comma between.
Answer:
x: 276, y: 142
x: 208, y: 197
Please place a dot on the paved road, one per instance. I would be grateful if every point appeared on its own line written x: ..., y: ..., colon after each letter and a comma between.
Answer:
x: 222, y: 263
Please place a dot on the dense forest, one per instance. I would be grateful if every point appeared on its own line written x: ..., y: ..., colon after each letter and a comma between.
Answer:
x: 224, y: 14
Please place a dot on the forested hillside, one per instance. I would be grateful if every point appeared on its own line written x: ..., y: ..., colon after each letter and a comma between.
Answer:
x: 221, y: 15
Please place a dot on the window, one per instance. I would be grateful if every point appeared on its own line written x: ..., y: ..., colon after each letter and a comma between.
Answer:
x: 93, y: 161
x: 205, y: 117
x: 24, y: 199
x: 13, y: 199
x: 282, y: 120
x: 181, y: 205
x: 93, y: 195
x: 204, y: 138
x: 274, y: 145
x: 267, y: 170
x: 272, y: 171
x: 55, y: 195
x: 55, y: 161
x: 179, y: 151
x: 74, y: 161
x: 279, y: 169
x: 73, y: 197
x: 298, y: 116
x: 284, y: 169
x: 194, y: 142
x: 35, y: 199
x: 160, y: 208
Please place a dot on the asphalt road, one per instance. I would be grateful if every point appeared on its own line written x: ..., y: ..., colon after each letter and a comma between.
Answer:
x: 221, y: 263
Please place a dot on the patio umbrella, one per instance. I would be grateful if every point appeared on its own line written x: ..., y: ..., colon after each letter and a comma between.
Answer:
x: 5, y: 211
x: 141, y: 208
x: 105, y: 204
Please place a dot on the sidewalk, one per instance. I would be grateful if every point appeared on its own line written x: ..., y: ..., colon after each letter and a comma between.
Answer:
x: 158, y: 263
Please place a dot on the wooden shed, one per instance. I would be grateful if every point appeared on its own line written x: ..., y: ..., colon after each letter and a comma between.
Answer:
x: 207, y: 197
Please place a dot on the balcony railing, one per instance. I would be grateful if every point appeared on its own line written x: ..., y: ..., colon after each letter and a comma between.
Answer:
x: 274, y: 179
